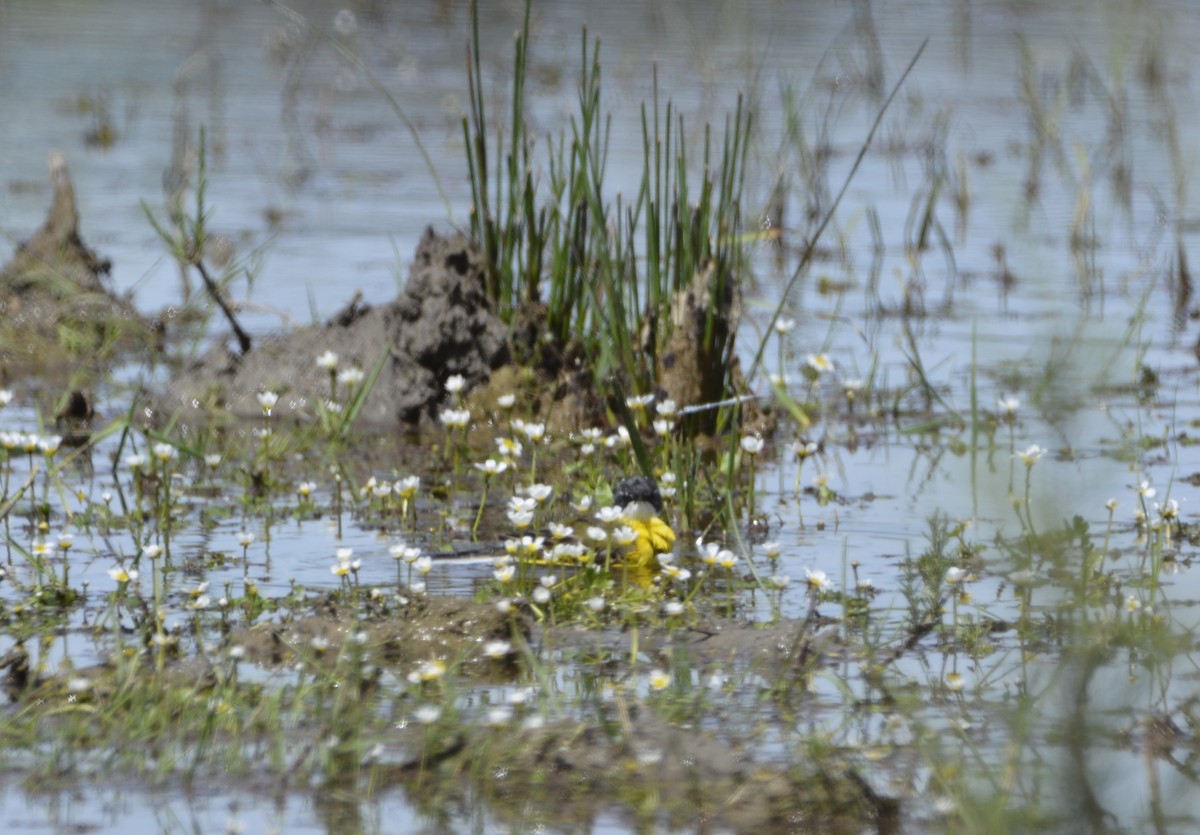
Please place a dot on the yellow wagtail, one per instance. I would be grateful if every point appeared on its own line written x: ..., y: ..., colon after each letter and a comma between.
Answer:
x: 642, y: 505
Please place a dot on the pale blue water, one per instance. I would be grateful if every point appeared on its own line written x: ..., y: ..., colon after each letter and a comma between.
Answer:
x: 353, y: 196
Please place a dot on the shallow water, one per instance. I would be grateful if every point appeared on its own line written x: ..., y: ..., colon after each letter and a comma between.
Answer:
x: 311, y: 167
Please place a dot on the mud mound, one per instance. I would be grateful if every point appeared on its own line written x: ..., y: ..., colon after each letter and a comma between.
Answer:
x: 441, y: 325
x: 52, y: 290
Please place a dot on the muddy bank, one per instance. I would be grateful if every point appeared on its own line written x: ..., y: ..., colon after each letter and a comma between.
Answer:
x: 424, y: 628
x: 441, y: 325
x: 55, y: 301
x: 625, y: 752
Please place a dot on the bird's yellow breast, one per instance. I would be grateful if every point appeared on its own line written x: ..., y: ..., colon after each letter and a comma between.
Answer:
x: 654, y: 536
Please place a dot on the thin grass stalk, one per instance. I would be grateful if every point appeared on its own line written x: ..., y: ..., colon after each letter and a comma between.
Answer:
x: 810, y: 247
x: 379, y: 88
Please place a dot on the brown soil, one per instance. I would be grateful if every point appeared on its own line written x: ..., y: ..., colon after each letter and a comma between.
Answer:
x: 432, y: 627
x: 53, y: 293
x: 441, y: 325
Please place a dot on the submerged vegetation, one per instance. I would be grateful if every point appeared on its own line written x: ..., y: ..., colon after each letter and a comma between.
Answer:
x: 496, y: 606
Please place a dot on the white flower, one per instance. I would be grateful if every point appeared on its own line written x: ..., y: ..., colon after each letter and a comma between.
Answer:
x: 506, y: 401
x: 505, y: 574
x: 816, y: 579
x: 673, y: 608
x: 152, y: 552
x: 327, y: 360
x: 541, y: 595
x: 427, y: 714
x: 803, y: 449
x: 954, y: 575
x: 539, y: 492
x: 212, y: 459
x: 522, y: 503
x: 609, y: 515
x: 49, y: 444
x: 135, y: 462
x: 121, y: 575
x: 780, y: 581
x: 431, y: 670
x: 351, y: 376
x: 509, y: 447
x: 520, y: 518
x: 624, y: 535
x: 164, y: 451
x: 1145, y: 490
x: 658, y: 680
x: 640, y: 401
x: 1009, y: 405
x: 751, y: 444
x: 667, y: 408
x: 772, y: 550
x: 784, y: 325
x: 568, y: 551
x: 244, y: 538
x: 1031, y: 455
x: 407, y: 487
x: 492, y: 467
x: 497, y: 649
x: 534, y: 431
x: 267, y: 400
x: 679, y: 575
x: 596, y: 604
x: 456, y: 418
x: 820, y: 363
x: 455, y: 383
x: 423, y: 565
x: 6, y: 397
x: 530, y: 546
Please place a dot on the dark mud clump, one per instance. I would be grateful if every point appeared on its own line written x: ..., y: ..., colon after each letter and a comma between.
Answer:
x: 54, y: 293
x: 442, y: 324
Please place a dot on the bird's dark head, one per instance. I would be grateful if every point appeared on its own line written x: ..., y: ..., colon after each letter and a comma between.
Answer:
x: 638, y: 489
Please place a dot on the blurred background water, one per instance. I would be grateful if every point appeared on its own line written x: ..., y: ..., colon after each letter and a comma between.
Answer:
x: 1055, y: 134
